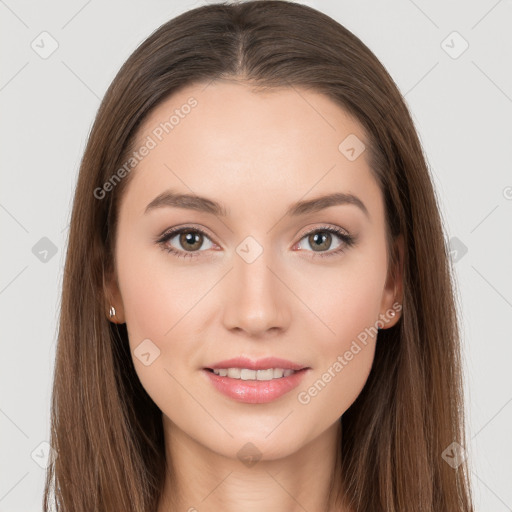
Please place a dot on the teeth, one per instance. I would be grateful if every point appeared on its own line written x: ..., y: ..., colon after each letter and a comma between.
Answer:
x: 246, y: 374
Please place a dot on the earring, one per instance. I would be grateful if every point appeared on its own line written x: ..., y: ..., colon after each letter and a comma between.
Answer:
x: 112, y: 311
x: 393, y: 313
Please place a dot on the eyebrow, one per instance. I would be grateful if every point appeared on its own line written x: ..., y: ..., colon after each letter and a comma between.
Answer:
x: 173, y: 199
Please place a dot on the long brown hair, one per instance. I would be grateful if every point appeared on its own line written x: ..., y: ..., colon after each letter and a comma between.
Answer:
x: 105, y: 428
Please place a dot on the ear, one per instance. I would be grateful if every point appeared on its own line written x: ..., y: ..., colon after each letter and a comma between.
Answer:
x: 392, y: 297
x: 113, y: 298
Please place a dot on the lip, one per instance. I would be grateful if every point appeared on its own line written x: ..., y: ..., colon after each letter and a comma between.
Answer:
x: 255, y: 391
x: 260, y: 364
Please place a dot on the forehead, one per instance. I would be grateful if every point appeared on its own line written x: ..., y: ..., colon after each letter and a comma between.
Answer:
x: 224, y: 139
x: 227, y: 114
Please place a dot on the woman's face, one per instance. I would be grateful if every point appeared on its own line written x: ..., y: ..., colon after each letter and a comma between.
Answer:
x: 266, y: 279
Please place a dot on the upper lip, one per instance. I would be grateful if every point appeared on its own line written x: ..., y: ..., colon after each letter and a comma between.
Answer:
x: 260, y: 364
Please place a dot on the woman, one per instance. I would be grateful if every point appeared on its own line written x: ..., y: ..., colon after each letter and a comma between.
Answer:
x: 257, y: 308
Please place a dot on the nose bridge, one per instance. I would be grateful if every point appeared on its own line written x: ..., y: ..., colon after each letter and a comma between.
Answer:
x: 251, y: 267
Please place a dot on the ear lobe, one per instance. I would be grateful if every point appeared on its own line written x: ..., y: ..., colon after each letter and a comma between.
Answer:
x: 112, y: 298
x: 393, y: 294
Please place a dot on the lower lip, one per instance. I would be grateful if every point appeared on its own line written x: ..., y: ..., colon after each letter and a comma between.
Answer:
x: 256, y: 391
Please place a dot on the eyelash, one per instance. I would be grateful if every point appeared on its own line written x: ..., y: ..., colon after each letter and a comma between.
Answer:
x: 348, y: 241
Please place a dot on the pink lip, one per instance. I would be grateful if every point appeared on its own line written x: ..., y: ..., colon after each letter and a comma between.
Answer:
x: 260, y: 364
x: 255, y: 391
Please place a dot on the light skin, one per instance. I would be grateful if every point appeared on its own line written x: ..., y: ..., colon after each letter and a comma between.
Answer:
x: 256, y: 154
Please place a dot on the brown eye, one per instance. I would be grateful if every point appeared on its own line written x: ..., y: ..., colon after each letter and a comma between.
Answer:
x: 191, y: 240
x: 320, y: 240
x: 184, y: 242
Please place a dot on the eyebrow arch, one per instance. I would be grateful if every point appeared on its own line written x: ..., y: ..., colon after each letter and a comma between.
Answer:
x: 173, y: 199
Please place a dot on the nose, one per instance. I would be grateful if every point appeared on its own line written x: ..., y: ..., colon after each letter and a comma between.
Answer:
x: 255, y: 301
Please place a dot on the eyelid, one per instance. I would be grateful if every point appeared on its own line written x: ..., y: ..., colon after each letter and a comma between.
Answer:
x: 176, y: 229
x: 308, y: 231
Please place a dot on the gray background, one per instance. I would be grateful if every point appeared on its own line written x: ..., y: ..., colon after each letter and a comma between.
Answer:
x: 461, y: 104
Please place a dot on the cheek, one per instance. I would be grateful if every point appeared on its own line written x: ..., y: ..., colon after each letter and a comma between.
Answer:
x: 336, y: 384
x: 156, y: 292
x: 344, y: 360
x: 161, y: 301
x: 346, y: 311
x: 343, y: 301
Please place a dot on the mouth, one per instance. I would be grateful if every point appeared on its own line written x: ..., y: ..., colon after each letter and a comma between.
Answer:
x: 255, y: 381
